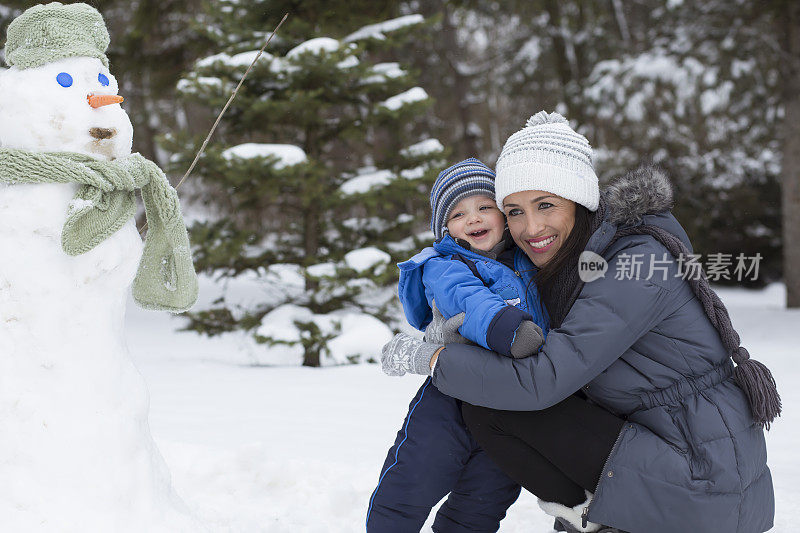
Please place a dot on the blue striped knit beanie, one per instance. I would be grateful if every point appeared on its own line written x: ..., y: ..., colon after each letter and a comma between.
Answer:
x: 467, y: 178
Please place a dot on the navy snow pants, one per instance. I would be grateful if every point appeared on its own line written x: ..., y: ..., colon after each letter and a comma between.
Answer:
x: 433, y: 455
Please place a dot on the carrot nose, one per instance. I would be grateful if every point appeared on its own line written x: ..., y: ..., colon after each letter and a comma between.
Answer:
x: 99, y: 100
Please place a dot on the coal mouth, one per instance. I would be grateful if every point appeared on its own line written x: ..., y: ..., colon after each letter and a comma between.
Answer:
x: 102, y: 133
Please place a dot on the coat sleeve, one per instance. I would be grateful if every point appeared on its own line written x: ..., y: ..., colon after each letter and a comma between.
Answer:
x: 606, y: 319
x: 488, y: 321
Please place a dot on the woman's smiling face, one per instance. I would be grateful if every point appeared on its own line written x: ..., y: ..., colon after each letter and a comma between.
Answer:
x: 539, y: 222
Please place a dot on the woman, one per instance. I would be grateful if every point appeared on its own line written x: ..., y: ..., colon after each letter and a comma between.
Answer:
x: 678, y: 445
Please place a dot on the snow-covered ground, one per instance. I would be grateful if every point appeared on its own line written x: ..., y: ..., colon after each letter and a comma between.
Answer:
x: 280, y: 449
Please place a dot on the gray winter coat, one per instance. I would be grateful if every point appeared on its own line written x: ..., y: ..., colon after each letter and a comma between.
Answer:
x: 690, y: 457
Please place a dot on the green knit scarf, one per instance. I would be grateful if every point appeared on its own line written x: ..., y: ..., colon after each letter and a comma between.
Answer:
x: 105, y: 201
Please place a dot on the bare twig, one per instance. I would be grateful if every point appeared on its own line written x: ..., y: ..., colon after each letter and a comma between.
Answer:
x: 224, y: 109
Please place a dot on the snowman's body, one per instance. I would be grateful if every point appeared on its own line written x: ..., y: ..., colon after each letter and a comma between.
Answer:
x: 76, y: 452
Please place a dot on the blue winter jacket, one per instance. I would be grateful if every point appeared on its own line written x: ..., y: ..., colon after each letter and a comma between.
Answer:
x: 494, y: 306
x: 690, y: 457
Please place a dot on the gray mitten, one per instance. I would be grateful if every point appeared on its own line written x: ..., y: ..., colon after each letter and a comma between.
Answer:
x: 527, y: 340
x: 404, y: 354
x: 443, y: 331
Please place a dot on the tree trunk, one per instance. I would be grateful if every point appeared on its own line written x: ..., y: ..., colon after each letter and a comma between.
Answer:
x: 311, y: 358
x: 311, y: 229
x: 622, y: 22
x: 565, y: 57
x: 790, y: 172
x: 461, y: 86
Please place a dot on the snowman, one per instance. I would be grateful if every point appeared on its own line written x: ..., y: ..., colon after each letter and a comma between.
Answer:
x: 76, y: 453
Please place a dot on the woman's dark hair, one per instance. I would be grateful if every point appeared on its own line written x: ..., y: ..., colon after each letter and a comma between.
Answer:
x: 557, y: 279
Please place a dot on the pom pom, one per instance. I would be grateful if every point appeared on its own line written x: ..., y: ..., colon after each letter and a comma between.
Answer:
x: 543, y: 117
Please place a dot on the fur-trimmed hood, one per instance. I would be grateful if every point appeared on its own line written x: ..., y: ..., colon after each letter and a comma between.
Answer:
x: 645, y: 190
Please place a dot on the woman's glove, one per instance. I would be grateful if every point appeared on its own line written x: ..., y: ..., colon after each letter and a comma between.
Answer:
x: 441, y: 331
x: 527, y: 340
x: 405, y: 353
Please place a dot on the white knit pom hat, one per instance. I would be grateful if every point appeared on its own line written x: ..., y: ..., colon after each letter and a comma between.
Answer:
x: 548, y: 155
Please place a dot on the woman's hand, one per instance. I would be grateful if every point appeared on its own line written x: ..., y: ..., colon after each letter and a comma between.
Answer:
x: 434, y: 358
x: 405, y: 353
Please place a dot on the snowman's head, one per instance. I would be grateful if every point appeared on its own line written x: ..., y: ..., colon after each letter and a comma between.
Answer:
x: 61, y: 107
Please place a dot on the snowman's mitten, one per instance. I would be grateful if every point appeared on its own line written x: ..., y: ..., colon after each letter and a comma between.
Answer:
x: 445, y: 331
x: 406, y: 354
x: 527, y: 340
x: 166, y: 279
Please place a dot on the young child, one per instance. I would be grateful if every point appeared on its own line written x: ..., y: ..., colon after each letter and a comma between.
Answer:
x: 473, y: 268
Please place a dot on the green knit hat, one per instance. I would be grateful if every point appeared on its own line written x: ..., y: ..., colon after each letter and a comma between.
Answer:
x: 49, y: 32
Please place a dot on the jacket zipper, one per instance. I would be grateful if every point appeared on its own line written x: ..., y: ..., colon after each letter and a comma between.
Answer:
x: 585, y: 514
x: 539, y: 304
x: 477, y: 257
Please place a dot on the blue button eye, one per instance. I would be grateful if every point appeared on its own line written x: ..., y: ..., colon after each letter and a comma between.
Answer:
x: 103, y: 79
x: 64, y: 79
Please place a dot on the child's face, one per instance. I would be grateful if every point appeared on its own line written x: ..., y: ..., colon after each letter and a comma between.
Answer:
x: 478, y: 221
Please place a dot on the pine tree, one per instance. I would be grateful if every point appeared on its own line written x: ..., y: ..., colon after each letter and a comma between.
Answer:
x: 320, y: 169
x: 697, y: 95
x: 492, y: 65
